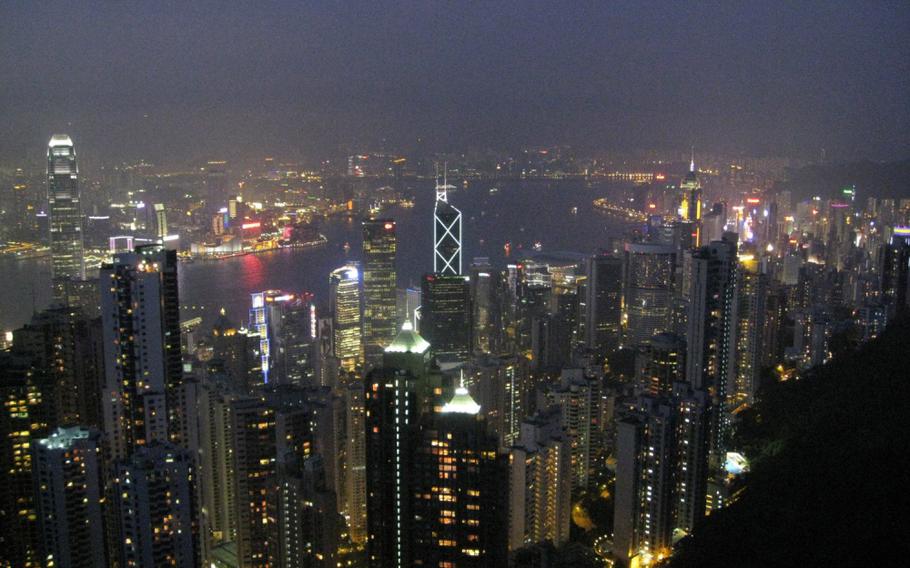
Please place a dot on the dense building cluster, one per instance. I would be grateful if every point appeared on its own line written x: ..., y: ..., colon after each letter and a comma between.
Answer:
x: 456, y: 424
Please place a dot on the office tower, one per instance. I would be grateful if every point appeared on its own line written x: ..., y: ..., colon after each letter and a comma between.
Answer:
x: 307, y: 532
x: 285, y: 325
x: 345, y: 298
x: 446, y: 235
x: 70, y: 494
x: 67, y: 347
x: 22, y: 419
x: 379, y: 287
x: 603, y: 303
x: 690, y: 201
x: 459, y: 490
x: 649, y: 270
x: 18, y: 207
x: 142, y: 360
x: 661, y: 362
x: 445, y: 315
x: 485, y: 316
x: 396, y: 395
x: 64, y: 212
x: 711, y: 337
x: 714, y: 223
x: 154, y: 498
x: 577, y: 398
x: 216, y: 184
x: 540, y: 486
x: 661, y: 473
x: 551, y: 337
x: 160, y: 221
x: 750, y: 328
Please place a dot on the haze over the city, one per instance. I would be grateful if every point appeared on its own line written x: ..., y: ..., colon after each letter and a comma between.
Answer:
x: 177, y: 81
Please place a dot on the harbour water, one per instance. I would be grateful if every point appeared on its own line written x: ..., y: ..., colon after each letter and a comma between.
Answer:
x: 556, y: 214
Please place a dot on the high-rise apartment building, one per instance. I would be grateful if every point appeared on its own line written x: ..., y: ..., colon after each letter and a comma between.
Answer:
x: 23, y: 418
x: 661, y: 473
x: 577, y: 398
x: 379, y: 287
x: 64, y: 213
x: 67, y: 347
x: 540, y: 482
x: 142, y: 354
x: 711, y: 337
x: 153, y: 494
x: 69, y: 498
x: 750, y: 329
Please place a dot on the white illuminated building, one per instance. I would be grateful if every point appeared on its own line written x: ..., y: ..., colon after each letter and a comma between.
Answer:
x: 446, y: 234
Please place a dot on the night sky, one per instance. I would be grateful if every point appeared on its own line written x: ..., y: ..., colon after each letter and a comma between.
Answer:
x: 175, y: 82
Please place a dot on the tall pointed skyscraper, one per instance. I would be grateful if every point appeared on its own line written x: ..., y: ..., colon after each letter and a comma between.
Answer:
x: 446, y: 235
x: 690, y: 200
x: 64, y: 213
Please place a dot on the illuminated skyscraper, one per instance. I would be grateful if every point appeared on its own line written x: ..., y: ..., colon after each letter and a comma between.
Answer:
x: 379, y: 287
x: 446, y: 235
x: 750, y: 328
x: 286, y: 327
x: 395, y: 396
x: 142, y: 355
x: 64, y: 212
x: 160, y: 220
x: 459, y: 490
x: 345, y: 298
x: 69, y: 498
x: 690, y: 200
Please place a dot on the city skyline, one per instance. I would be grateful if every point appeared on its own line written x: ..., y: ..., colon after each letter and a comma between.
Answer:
x: 514, y: 285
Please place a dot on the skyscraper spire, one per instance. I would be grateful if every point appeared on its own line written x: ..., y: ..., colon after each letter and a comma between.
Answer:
x: 441, y: 190
x: 692, y: 162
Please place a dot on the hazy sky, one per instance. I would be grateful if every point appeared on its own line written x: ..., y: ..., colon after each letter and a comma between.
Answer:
x: 172, y: 81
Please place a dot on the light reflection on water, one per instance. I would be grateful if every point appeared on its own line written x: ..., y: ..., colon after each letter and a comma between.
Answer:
x: 521, y: 213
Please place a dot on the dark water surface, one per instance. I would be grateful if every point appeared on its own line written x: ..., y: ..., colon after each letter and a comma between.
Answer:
x: 521, y: 212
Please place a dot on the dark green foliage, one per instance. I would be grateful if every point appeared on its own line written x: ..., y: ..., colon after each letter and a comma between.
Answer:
x: 829, y: 480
